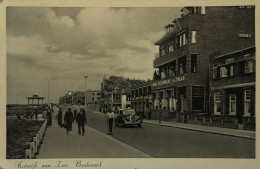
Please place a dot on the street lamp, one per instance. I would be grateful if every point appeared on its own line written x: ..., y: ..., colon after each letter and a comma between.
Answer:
x: 85, y: 89
x: 51, y: 78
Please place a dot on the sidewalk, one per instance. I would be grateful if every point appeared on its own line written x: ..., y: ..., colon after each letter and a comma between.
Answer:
x: 94, y: 144
x: 207, y: 129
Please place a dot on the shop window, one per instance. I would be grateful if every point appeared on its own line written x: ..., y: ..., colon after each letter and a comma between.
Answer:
x: 223, y: 72
x: 182, y: 65
x: 217, y: 103
x: 197, y: 97
x: 249, y: 66
x: 246, y: 102
x: 193, y: 63
x: 193, y: 37
x: 232, y: 104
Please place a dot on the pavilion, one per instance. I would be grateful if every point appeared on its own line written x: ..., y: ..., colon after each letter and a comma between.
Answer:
x: 35, y: 97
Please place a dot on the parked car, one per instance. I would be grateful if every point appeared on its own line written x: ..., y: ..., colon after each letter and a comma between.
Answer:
x: 127, y: 117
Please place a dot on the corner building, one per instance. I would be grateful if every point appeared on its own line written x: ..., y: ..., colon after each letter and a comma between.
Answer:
x: 181, y: 79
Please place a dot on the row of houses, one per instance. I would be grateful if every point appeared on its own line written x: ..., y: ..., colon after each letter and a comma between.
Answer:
x: 78, y: 97
x: 204, y: 72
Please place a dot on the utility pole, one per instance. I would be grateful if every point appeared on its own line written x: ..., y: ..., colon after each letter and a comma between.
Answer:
x: 85, y: 90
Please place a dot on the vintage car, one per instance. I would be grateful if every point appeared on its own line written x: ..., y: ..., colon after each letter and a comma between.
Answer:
x: 127, y: 117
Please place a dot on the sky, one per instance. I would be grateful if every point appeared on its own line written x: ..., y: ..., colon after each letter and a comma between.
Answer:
x: 68, y: 43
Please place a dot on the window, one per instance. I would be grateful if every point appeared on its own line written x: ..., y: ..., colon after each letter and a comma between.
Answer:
x: 172, y: 69
x: 246, y: 102
x: 203, y: 10
x: 215, y: 72
x: 180, y: 39
x: 223, y: 72
x: 217, y: 103
x: 171, y: 47
x: 193, y: 37
x: 231, y: 70
x: 232, y: 104
x: 133, y: 93
x: 162, y: 51
x: 93, y: 94
x: 163, y: 73
x: 193, y: 63
x: 182, y: 65
x: 149, y: 90
x: 197, y: 97
x: 93, y: 99
x: 184, y: 39
x: 249, y: 66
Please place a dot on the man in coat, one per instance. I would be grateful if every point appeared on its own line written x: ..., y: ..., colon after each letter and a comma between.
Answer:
x: 68, y: 119
x: 82, y: 121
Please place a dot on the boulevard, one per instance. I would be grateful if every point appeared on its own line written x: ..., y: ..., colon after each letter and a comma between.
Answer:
x: 169, y: 142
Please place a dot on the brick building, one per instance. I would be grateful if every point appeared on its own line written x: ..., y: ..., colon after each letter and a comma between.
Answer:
x: 232, y: 87
x: 141, y: 98
x: 181, y: 79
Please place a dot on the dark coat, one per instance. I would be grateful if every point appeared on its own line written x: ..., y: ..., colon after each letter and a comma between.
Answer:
x: 68, y: 119
x: 81, y: 118
x: 59, y: 118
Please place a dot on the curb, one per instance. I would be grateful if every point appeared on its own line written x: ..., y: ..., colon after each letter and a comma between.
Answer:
x: 202, y: 130
x: 35, y: 144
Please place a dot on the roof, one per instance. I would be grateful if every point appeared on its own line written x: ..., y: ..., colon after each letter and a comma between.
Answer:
x: 35, y: 97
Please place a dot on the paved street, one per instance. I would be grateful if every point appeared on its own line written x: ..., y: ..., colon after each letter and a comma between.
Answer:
x: 161, y: 141
x: 148, y: 141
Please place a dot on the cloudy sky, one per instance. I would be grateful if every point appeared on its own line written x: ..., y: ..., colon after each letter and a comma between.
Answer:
x: 68, y: 43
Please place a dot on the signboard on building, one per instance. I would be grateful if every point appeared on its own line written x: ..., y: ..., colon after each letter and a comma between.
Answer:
x: 168, y: 81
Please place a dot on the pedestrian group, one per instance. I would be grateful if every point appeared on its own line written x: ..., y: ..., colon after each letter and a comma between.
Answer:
x: 80, y: 118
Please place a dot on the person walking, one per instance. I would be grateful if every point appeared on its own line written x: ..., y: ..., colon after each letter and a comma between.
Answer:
x: 59, y: 117
x: 68, y: 119
x: 82, y: 121
x: 110, y: 117
x: 75, y: 114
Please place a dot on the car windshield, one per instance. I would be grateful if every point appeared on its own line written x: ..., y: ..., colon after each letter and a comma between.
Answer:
x: 129, y: 112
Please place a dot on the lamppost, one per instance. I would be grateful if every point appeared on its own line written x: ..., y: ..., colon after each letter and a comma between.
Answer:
x: 51, y: 78
x: 85, y: 89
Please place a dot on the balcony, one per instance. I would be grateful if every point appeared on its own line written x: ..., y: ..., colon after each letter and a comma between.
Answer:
x: 171, y: 56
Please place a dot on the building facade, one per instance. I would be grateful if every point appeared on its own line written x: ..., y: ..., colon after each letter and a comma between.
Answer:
x: 181, y: 79
x: 116, y: 92
x: 232, y: 88
x: 141, y: 98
